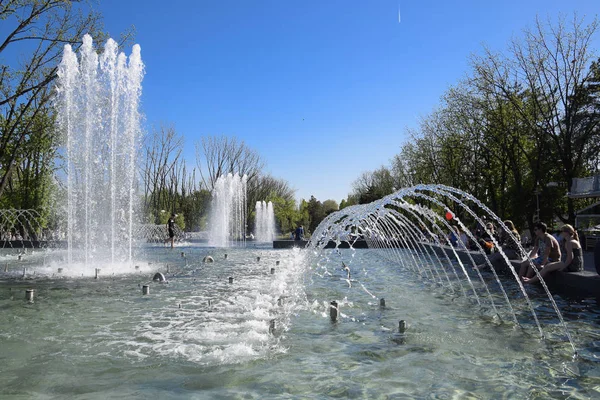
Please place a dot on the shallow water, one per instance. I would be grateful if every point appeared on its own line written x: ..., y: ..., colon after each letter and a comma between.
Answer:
x: 101, y: 338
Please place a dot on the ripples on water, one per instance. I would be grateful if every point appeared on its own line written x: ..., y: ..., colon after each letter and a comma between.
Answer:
x: 201, y: 337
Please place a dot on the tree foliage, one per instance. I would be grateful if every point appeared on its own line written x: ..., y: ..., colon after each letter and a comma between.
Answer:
x: 40, y: 28
x: 521, y: 119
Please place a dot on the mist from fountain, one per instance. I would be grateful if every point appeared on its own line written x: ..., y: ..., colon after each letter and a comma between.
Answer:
x: 410, y: 228
x: 97, y: 109
x: 227, y: 220
x: 265, y: 222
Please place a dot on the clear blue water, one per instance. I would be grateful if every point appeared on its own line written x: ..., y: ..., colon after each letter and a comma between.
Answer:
x: 86, y: 338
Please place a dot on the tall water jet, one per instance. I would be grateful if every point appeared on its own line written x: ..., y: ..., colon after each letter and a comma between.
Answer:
x: 97, y: 109
x: 227, y: 223
x: 265, y: 222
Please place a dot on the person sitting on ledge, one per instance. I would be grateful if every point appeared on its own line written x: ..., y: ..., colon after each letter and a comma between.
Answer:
x: 453, y: 236
x: 509, y: 246
x: 485, y: 238
x: 463, y: 240
x: 546, y: 250
x: 573, y: 261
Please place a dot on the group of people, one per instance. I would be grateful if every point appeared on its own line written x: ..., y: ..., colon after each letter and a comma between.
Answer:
x: 547, y: 256
x: 485, y: 234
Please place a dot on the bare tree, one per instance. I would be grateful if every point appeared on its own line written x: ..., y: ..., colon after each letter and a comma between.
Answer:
x: 161, y: 168
x: 221, y: 155
x: 266, y: 187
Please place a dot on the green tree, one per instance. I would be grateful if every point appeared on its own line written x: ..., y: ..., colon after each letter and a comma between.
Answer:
x: 373, y: 185
x: 553, y: 65
x: 287, y: 216
x: 42, y: 28
x: 330, y: 206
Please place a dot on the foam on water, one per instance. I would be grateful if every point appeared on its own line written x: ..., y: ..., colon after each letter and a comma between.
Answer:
x: 172, y: 343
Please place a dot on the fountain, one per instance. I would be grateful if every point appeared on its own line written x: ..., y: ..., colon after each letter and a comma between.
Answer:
x: 97, y: 110
x: 413, y: 236
x: 22, y: 229
x: 227, y: 221
x: 265, y: 222
x: 407, y: 317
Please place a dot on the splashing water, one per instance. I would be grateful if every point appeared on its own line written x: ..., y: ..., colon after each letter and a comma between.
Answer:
x: 97, y: 107
x: 227, y: 223
x: 265, y: 222
x: 410, y: 227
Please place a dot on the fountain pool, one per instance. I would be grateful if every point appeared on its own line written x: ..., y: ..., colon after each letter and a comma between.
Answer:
x: 201, y: 337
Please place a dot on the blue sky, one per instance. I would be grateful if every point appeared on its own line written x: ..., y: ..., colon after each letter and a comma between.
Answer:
x: 322, y: 90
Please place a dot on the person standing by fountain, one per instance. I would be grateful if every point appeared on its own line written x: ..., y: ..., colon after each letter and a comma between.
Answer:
x: 299, y: 234
x: 171, y: 230
x: 574, y: 260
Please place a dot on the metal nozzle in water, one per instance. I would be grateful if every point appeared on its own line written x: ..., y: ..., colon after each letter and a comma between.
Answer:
x: 402, y: 326
x: 382, y: 303
x: 97, y: 273
x: 231, y: 279
x: 272, y: 326
x: 272, y: 271
x: 333, y: 311
x: 29, y: 295
x: 257, y: 259
x: 145, y: 289
x: 276, y: 262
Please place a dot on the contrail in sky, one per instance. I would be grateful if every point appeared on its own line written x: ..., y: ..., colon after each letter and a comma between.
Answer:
x: 399, y: 19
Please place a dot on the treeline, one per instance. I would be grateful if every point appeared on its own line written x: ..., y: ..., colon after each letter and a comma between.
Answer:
x: 171, y: 186
x: 31, y: 160
x: 33, y: 35
x: 518, y: 129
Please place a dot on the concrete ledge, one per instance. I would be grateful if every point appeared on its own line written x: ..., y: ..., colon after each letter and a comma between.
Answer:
x: 288, y: 244
x: 32, y: 244
x: 583, y: 284
x: 462, y: 254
